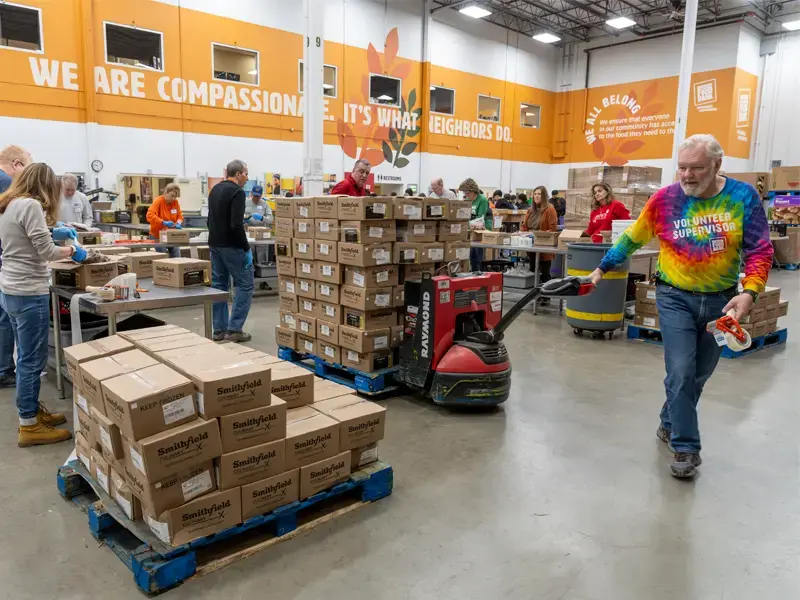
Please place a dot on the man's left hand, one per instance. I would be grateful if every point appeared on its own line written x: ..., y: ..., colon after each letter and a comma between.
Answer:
x: 741, y: 306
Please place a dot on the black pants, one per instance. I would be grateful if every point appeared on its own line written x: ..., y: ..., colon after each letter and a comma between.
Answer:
x: 544, y: 268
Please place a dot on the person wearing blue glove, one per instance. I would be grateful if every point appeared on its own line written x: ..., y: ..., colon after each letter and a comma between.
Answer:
x: 165, y: 213
x: 63, y: 233
x: 25, y: 211
x: 178, y: 226
x: 79, y: 253
x: 168, y: 224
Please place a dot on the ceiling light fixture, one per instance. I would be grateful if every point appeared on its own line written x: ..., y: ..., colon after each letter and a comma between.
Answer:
x: 547, y: 38
x: 385, y: 97
x: 791, y: 25
x: 476, y: 12
x: 620, y: 23
x: 327, y: 86
x: 253, y: 72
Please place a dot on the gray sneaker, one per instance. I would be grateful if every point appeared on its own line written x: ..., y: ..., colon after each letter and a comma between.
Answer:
x: 219, y: 336
x: 663, y: 434
x: 684, y: 465
x: 238, y: 337
x: 8, y: 381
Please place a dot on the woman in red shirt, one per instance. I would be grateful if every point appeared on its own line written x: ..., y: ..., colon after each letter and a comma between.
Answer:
x: 605, y: 209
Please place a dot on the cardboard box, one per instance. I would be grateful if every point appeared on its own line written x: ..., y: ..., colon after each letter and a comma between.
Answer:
x: 360, y: 340
x: 307, y: 307
x: 460, y: 210
x: 365, y: 208
x: 324, y: 474
x: 785, y: 179
x: 253, y: 427
x: 174, y: 236
x: 327, y: 292
x: 92, y: 373
x: 292, y: 384
x: 329, y: 352
x: 330, y: 272
x: 287, y: 286
x: 149, y: 401
x: 435, y: 208
x: 369, y: 362
x: 755, y: 315
x: 397, y: 336
x: 251, y: 464
x: 431, y: 252
x: 407, y: 253
x: 770, y: 296
x: 545, y: 238
x: 306, y: 344
x: 310, y: 437
x: 456, y: 251
x: 399, y: 296
x: 570, y: 236
x: 148, y: 333
x: 771, y: 312
x: 325, y: 390
x: 268, y: 494
x: 140, y: 263
x: 83, y: 450
x: 109, y: 250
x: 327, y: 332
x: 181, y: 272
x: 326, y: 207
x: 361, y: 423
x: 99, y: 470
x: 283, y: 247
x: 288, y: 302
x: 284, y: 227
x: 365, y: 255
x: 326, y: 229
x: 199, y: 518
x: 306, y: 288
x: 72, y: 275
x: 423, y: 231
x: 286, y: 338
x: 287, y: 320
x: 284, y: 207
x: 496, y: 238
x: 89, y: 238
x: 649, y: 321
x: 408, y: 209
x: 259, y: 232
x: 284, y: 265
x: 646, y: 293
x: 783, y: 308
x: 366, y: 298
x: 326, y: 311
x: 363, y: 456
x: 759, y: 329
x: 770, y: 325
x: 452, y: 231
x: 367, y: 232
x: 109, y: 435
x: 414, y: 272
x: 80, y: 353
x: 326, y: 250
x: 761, y: 181
x: 83, y: 423
x: 303, y: 229
x: 370, y: 277
x: 302, y: 248
x: 304, y: 208
x: 643, y: 308
x: 307, y: 326
x: 174, y: 451
x: 375, y: 319
x: 304, y: 267
x: 123, y: 494
x: 183, y: 340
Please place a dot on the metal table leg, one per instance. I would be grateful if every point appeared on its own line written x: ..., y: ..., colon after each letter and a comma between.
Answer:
x: 561, y: 301
x: 57, y: 344
x: 535, y: 278
x: 112, y: 324
x: 207, y: 319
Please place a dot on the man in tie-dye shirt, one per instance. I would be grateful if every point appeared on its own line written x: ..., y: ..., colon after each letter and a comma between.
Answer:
x: 708, y: 226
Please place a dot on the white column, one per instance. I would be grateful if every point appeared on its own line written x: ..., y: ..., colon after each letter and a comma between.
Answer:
x: 685, y: 80
x: 314, y: 113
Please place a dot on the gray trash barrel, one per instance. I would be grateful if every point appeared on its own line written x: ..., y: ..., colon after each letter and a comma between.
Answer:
x: 604, y: 308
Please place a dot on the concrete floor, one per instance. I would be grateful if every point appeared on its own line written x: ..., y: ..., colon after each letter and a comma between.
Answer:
x: 562, y: 494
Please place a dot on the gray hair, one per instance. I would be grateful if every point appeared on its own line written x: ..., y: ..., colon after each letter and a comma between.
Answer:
x: 69, y: 178
x: 362, y: 161
x: 712, y: 147
x: 437, y: 181
x: 235, y: 166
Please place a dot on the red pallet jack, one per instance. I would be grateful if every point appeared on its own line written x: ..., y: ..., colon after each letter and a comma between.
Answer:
x: 453, y: 349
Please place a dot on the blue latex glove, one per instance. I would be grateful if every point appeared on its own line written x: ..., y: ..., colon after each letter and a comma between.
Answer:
x: 178, y: 226
x: 80, y: 254
x: 64, y: 233
x: 169, y: 224
x: 257, y: 217
x: 60, y: 223
x: 248, y: 259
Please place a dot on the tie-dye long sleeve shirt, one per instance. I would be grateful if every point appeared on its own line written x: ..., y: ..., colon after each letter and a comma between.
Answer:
x: 703, y: 241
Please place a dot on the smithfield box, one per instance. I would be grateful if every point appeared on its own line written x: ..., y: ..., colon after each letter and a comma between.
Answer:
x: 435, y: 208
x: 306, y: 288
x: 327, y: 311
x: 324, y: 474
x: 365, y: 208
x: 326, y: 207
x: 424, y: 231
x: 92, y: 373
x: 366, y: 298
x: 326, y: 250
x: 174, y: 490
x: 268, y: 494
x: 360, y: 422
x: 368, y: 362
x: 304, y: 229
x: 307, y: 326
x: 303, y: 249
x: 327, y: 331
x: 460, y: 210
x: 251, y: 464
x: 304, y: 208
x: 327, y: 292
x: 284, y: 337
x: 365, y: 255
x: 330, y: 272
x: 305, y: 344
x: 181, y: 272
x: 73, y: 275
x: 310, y: 437
x: 367, y: 232
x: 253, y: 427
x: 141, y: 263
x: 408, y: 208
x: 148, y: 333
x: 360, y: 340
x: 326, y: 229
x: 452, y: 231
x: 202, y: 517
x: 325, y: 390
x: 373, y: 319
x: 292, y: 384
x: 174, y: 236
x: 329, y: 352
x: 79, y: 353
x: 370, y: 277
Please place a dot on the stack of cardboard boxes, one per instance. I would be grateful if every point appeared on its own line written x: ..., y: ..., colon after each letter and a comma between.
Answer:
x: 342, y: 262
x: 194, y: 437
x: 631, y: 185
x: 763, y: 319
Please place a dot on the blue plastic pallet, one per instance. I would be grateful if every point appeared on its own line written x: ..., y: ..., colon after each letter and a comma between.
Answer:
x: 774, y: 193
x: 653, y: 336
x: 156, y: 566
x: 371, y: 384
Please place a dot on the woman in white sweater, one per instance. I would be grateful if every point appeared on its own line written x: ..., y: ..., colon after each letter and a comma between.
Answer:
x: 26, y: 209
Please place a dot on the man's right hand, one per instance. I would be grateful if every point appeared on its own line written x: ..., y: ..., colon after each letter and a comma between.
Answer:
x: 257, y: 217
x: 596, y: 277
x: 168, y: 224
x: 79, y: 254
x: 64, y: 233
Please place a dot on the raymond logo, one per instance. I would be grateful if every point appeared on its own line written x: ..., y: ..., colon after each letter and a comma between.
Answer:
x: 426, y: 324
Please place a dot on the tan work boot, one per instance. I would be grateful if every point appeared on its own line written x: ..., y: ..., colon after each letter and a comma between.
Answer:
x: 35, y: 435
x: 49, y: 418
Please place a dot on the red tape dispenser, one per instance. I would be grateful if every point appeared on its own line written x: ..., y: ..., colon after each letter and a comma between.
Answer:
x: 728, y: 332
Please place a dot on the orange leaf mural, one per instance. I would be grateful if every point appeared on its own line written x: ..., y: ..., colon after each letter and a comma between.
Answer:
x: 651, y: 110
x: 630, y: 146
x: 392, y: 45
x: 599, y: 149
x: 346, y: 139
x: 650, y: 92
x: 373, y: 60
x: 615, y: 160
x: 373, y: 155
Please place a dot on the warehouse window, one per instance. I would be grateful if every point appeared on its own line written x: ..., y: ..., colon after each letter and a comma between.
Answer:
x: 529, y: 115
x: 134, y: 46
x: 230, y: 63
x: 384, y: 90
x: 488, y: 108
x: 329, y: 77
x: 21, y: 27
x: 443, y: 100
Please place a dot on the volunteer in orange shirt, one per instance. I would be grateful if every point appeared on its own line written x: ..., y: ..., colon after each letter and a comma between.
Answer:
x: 165, y: 213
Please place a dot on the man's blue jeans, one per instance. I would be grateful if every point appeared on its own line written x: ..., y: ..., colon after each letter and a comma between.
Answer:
x: 174, y: 252
x: 475, y: 258
x: 690, y: 355
x: 6, y: 345
x: 226, y: 264
x: 30, y: 320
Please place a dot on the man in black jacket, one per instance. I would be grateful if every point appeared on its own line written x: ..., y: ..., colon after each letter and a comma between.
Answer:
x: 231, y: 256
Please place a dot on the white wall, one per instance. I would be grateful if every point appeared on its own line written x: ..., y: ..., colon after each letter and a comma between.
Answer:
x: 748, y: 55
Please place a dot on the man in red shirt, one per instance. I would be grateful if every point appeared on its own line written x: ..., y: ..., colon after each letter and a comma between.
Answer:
x: 353, y: 183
